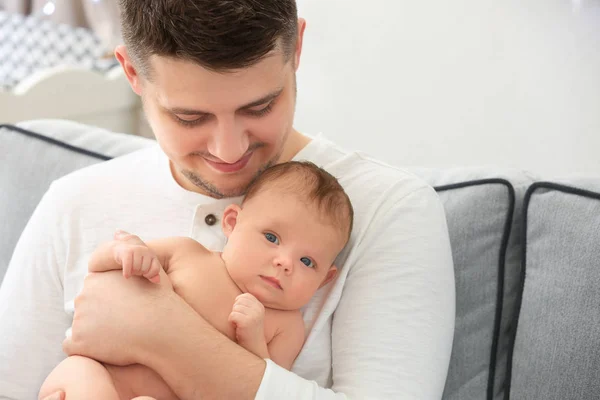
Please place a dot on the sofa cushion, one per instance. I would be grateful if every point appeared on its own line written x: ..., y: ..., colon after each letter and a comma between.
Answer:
x: 557, y: 346
x: 38, y: 152
x: 482, y: 205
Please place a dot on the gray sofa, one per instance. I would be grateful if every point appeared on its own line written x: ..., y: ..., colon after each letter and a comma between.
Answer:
x: 526, y: 254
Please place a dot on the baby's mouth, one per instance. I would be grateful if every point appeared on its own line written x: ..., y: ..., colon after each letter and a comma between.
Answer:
x: 271, y: 281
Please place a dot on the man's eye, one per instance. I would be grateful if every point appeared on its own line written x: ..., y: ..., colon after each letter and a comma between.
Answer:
x: 262, y: 112
x: 271, y: 238
x: 308, y: 262
x: 190, y: 122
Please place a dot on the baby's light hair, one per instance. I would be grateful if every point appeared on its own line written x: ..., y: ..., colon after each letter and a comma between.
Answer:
x: 311, y: 183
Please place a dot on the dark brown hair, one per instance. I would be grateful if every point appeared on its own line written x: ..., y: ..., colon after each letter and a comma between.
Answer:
x: 311, y: 183
x: 220, y: 35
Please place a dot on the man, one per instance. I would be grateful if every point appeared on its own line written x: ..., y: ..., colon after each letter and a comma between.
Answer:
x: 217, y: 79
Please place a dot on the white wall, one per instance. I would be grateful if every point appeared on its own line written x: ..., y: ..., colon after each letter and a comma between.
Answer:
x: 448, y: 83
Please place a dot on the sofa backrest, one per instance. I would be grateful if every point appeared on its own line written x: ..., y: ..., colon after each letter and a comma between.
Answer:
x: 483, y: 209
x: 38, y: 152
x: 557, y: 347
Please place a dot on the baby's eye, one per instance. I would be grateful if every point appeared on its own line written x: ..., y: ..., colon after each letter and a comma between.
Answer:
x: 307, y: 261
x: 272, y: 238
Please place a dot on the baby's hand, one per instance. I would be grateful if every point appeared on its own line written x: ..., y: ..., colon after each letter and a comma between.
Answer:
x: 136, y: 258
x: 248, y: 316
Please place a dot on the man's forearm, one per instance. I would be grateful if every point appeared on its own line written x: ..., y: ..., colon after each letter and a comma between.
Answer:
x: 197, y: 361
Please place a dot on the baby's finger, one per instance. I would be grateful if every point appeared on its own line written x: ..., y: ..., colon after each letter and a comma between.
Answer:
x: 153, y: 274
x: 246, y: 300
x: 120, y: 234
x: 247, y: 296
x: 137, y: 264
x: 235, y: 317
x: 146, y: 262
x: 243, y: 308
x: 56, y: 396
x: 126, y: 259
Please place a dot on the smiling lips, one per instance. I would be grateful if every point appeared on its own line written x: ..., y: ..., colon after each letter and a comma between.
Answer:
x: 230, y: 168
x: 271, y: 281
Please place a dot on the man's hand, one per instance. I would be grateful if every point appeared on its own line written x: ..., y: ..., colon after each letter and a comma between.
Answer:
x: 136, y: 258
x: 117, y: 321
x: 248, y: 317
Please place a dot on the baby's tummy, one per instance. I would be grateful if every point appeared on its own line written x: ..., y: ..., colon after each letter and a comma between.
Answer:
x: 138, y: 380
x: 212, y: 302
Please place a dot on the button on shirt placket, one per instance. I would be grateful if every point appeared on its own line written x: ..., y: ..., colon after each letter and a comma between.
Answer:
x: 206, y: 224
x: 206, y: 227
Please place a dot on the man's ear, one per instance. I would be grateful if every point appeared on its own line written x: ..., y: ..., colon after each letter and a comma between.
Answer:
x: 230, y: 216
x: 331, y: 274
x: 130, y: 72
x: 301, y: 28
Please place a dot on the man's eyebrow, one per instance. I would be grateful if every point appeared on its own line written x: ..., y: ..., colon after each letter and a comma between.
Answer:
x: 261, y: 101
x: 185, y: 111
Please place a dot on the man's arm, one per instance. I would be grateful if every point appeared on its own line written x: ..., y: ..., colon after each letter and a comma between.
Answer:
x: 392, y: 337
x: 33, y: 320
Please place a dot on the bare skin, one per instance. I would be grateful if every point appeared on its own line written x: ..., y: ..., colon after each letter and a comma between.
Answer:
x: 251, y: 293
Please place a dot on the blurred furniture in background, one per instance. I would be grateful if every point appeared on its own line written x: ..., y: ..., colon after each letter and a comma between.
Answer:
x: 51, y: 70
x: 100, y: 16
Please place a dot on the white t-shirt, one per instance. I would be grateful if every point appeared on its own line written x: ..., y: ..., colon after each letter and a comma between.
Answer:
x: 382, y: 330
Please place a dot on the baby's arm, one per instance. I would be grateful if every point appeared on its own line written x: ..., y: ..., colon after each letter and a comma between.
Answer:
x: 288, y: 341
x: 248, y: 317
x: 129, y: 253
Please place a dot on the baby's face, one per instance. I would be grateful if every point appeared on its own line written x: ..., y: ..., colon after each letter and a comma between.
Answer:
x: 280, y: 249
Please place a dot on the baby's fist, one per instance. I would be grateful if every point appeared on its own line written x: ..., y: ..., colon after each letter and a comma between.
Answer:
x: 248, y: 316
x: 138, y: 260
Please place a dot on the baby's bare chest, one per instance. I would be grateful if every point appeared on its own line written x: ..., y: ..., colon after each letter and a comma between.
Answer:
x: 209, y: 290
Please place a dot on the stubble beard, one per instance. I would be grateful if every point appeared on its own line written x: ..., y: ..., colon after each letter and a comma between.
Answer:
x: 213, y: 191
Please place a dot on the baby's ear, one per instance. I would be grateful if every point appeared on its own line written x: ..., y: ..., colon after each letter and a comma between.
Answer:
x: 230, y: 216
x: 331, y: 274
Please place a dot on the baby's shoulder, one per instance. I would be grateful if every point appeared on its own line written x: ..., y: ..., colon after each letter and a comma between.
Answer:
x: 184, y: 247
x: 284, y: 320
x: 186, y: 252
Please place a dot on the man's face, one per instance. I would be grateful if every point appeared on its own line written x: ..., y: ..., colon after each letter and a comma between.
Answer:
x: 220, y: 130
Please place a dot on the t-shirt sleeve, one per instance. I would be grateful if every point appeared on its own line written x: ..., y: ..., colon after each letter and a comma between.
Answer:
x: 392, y: 330
x: 32, y: 315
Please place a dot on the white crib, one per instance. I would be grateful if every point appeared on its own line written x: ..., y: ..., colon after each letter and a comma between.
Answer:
x: 50, y: 70
x: 101, y: 99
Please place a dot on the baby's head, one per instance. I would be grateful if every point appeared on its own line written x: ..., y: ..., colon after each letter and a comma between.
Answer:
x: 283, y: 240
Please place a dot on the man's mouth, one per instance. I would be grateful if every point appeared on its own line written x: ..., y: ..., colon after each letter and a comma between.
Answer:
x: 227, y: 168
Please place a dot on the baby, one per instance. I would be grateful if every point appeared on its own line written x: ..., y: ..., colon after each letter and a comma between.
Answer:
x: 281, y: 246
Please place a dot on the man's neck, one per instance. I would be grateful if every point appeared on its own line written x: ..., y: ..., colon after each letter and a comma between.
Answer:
x: 295, y: 143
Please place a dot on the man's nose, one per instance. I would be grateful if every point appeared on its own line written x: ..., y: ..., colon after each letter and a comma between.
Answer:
x: 229, y: 141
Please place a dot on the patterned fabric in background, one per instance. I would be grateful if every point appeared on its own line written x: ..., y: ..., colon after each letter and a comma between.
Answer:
x: 29, y: 44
